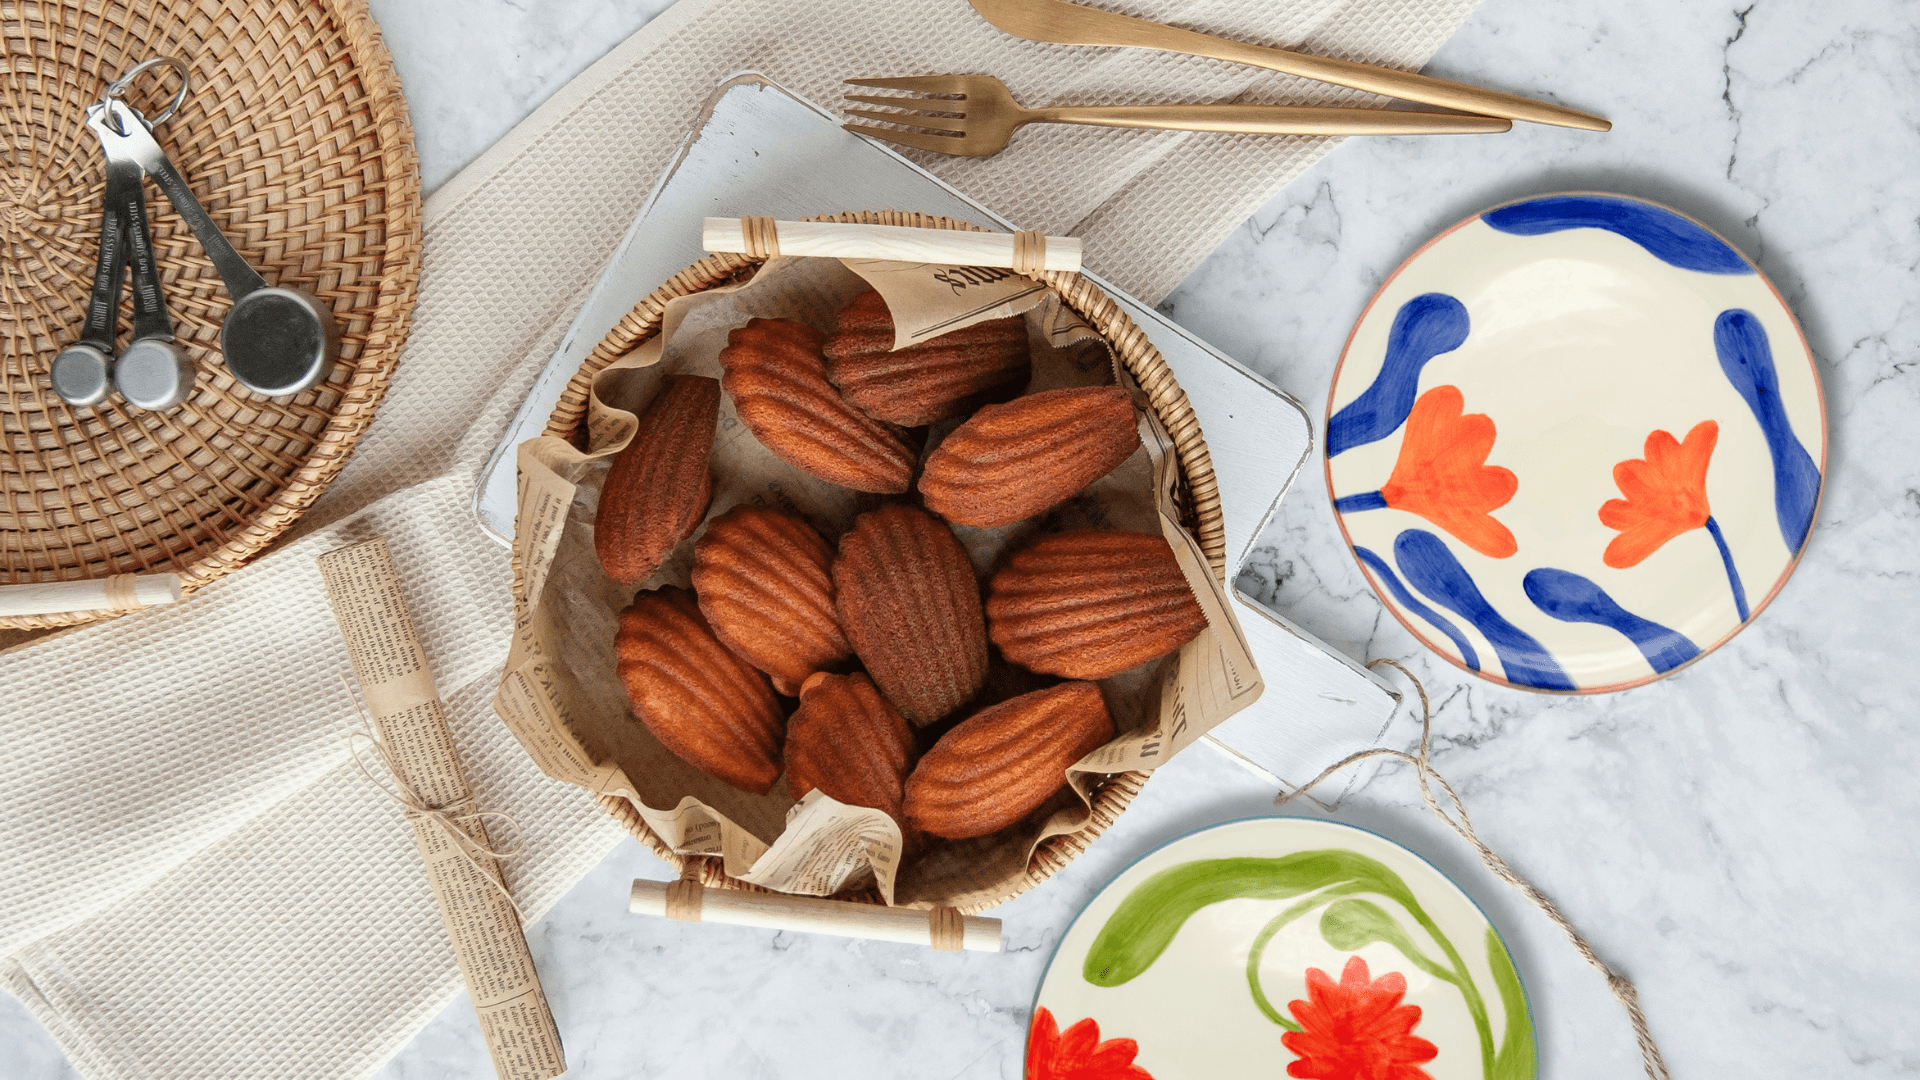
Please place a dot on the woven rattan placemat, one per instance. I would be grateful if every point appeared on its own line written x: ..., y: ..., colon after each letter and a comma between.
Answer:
x: 295, y: 137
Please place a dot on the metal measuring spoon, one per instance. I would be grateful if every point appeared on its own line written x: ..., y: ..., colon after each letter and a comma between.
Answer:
x: 276, y: 340
x: 152, y: 372
x: 83, y: 371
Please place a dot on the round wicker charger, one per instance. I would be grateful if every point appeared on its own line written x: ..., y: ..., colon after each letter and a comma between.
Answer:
x: 1143, y: 361
x: 296, y: 140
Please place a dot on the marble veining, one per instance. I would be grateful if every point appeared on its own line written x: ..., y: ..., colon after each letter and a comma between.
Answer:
x: 1737, y: 838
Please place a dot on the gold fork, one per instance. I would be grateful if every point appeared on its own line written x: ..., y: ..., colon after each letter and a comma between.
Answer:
x: 975, y: 115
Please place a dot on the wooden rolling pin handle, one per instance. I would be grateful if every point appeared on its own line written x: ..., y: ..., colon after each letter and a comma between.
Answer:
x: 941, y: 928
x: 765, y: 238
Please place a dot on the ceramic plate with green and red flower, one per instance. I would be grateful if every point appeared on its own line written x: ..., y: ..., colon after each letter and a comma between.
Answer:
x: 1576, y: 442
x: 1281, y: 947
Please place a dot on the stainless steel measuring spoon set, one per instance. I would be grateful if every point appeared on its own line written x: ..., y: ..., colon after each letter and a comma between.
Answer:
x: 276, y: 340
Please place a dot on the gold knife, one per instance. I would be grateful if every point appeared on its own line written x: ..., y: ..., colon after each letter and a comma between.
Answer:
x: 1062, y: 23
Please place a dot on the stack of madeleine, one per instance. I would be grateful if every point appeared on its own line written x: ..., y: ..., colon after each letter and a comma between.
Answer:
x: 858, y: 665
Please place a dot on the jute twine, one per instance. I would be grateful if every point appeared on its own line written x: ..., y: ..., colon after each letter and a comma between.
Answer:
x: 1622, y: 987
x: 445, y: 818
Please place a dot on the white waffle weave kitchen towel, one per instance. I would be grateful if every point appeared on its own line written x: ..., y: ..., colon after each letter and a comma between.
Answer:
x: 193, y: 882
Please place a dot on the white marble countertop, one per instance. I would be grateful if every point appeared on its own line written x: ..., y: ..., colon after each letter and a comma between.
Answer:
x: 1737, y: 839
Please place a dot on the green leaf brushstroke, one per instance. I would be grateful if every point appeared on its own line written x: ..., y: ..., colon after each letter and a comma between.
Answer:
x: 1352, y: 925
x: 1517, y: 1059
x: 1259, y: 950
x: 1145, y: 923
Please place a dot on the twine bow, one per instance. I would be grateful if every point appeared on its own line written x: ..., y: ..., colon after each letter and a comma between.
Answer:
x: 449, y: 822
x: 1622, y: 987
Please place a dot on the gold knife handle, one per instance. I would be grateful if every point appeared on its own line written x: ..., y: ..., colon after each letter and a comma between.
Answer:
x: 1272, y: 119
x: 1400, y: 84
x: 1063, y: 23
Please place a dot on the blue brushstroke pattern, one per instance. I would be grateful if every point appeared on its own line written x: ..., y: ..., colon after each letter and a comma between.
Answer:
x: 1733, y: 575
x: 1664, y: 234
x: 1571, y: 598
x: 1366, y: 500
x: 1748, y: 361
x: 1425, y: 327
x: 1432, y: 569
x: 1412, y: 603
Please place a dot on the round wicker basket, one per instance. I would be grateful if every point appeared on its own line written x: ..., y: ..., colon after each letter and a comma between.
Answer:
x: 1200, y: 499
x: 295, y: 138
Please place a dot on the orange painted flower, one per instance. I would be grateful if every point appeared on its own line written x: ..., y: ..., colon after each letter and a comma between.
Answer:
x: 1442, y: 473
x: 1078, y: 1053
x: 1666, y: 494
x: 1356, y: 1029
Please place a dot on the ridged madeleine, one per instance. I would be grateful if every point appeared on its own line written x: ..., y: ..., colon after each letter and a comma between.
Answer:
x: 1016, y: 460
x: 948, y: 376
x: 849, y: 742
x: 659, y: 485
x: 779, y: 385
x: 765, y: 584
x: 998, y: 764
x: 909, y: 604
x: 702, y: 702
x: 1089, y: 604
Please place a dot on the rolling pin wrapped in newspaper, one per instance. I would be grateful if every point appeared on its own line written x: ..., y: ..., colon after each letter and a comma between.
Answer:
x: 563, y: 694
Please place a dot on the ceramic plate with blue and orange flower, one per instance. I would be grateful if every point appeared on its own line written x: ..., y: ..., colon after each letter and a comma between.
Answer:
x: 1576, y: 442
x: 1281, y: 947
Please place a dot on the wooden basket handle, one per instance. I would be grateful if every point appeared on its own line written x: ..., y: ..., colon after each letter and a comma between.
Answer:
x: 762, y: 238
x: 941, y: 928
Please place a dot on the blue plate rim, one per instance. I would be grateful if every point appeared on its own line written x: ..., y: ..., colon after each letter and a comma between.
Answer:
x: 1779, y: 584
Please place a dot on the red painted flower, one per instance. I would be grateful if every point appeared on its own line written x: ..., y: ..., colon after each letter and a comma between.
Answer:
x: 1442, y: 473
x: 1356, y: 1029
x: 1078, y: 1053
x: 1666, y: 494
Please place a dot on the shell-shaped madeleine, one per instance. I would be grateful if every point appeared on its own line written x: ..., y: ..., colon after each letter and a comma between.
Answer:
x: 702, y: 702
x: 849, y: 742
x: 949, y: 376
x: 1091, y: 604
x: 910, y: 606
x: 1016, y: 460
x: 998, y: 764
x: 779, y: 385
x: 659, y: 486
x: 765, y: 584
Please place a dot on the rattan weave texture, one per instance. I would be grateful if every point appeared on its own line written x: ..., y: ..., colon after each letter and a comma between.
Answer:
x: 1130, y: 344
x: 296, y: 140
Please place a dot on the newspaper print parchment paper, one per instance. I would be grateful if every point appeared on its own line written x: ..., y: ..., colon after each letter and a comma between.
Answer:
x: 560, y: 694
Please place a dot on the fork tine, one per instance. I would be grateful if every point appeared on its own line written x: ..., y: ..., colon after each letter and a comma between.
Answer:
x: 915, y: 104
x: 912, y: 82
x: 921, y: 84
x: 939, y: 144
x: 913, y: 120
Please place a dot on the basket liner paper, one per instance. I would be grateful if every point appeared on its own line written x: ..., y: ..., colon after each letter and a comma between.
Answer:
x: 562, y: 698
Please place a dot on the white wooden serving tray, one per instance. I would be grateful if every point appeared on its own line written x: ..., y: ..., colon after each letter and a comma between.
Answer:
x: 759, y: 149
